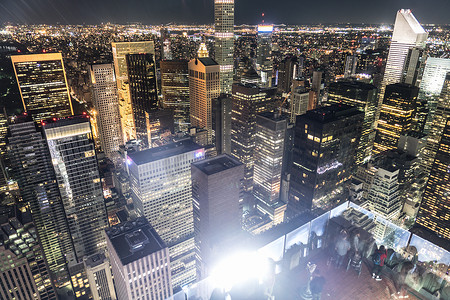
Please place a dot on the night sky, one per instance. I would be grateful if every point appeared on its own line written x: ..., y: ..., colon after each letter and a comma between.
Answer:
x: 201, y: 11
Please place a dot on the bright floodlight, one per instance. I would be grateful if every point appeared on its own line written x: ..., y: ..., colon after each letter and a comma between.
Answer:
x: 240, y: 268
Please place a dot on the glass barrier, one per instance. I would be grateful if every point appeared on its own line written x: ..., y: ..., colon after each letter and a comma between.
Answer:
x: 317, y: 231
x: 337, y: 211
x: 274, y: 250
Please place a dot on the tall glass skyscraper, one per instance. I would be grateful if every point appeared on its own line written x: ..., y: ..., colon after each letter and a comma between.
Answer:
x: 106, y: 103
x: 224, y: 41
x: 119, y: 51
x: 264, y: 54
x: 75, y: 164
x: 33, y: 170
x: 43, y: 85
x: 143, y: 92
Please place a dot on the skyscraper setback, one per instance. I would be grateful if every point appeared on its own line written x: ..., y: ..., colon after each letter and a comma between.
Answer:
x: 43, y: 85
x: 224, y: 41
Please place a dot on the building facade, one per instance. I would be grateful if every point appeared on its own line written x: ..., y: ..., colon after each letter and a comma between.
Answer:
x: 264, y: 64
x: 224, y: 42
x: 75, y: 163
x: 43, y: 85
x: 106, y: 104
x: 139, y: 260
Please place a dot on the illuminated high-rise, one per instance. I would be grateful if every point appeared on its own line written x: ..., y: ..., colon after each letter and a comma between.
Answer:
x: 396, y: 115
x: 106, y: 104
x: 119, y: 51
x: 32, y: 168
x: 43, y: 85
x: 434, y: 210
x: 268, y: 155
x: 351, y: 61
x: 75, y: 163
x: 224, y: 42
x: 407, y: 33
x: 204, y: 87
x: 441, y: 115
x: 161, y: 188
x: 143, y: 93
x: 364, y: 97
x: 264, y: 64
x: 248, y: 101
x: 175, y: 90
x: 325, y: 145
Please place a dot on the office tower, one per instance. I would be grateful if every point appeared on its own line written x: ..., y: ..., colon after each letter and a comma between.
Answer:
x: 224, y: 42
x: 202, y: 51
x: 23, y: 271
x: 325, y: 146
x: 166, y: 52
x: 139, y: 260
x: 32, y: 168
x: 287, y: 71
x: 433, y: 212
x: 414, y: 66
x: 106, y: 104
x: 396, y: 115
x: 99, y: 275
x: 120, y: 50
x: 248, y: 101
x: 436, y: 70
x: 80, y: 281
x: 440, y: 117
x: 384, y: 193
x: 250, y: 76
x: 264, y: 54
x: 351, y: 61
x: 75, y: 164
x: 300, y: 104
x: 162, y: 192
x: 175, y: 91
x: 3, y: 149
x: 204, y: 86
x: 316, y: 87
x: 43, y: 85
x: 269, y: 150
x: 364, y: 97
x: 143, y: 92
x: 216, y: 191
x: 408, y: 33
x: 221, y: 119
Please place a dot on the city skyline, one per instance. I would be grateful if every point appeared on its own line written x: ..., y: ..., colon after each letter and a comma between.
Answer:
x: 202, y: 12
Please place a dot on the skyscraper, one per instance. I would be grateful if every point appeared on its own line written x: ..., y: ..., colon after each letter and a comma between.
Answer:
x: 98, y: 272
x: 364, y: 97
x: 433, y: 212
x: 216, y: 191
x: 407, y: 33
x: 162, y: 192
x: 43, y: 85
x: 75, y: 164
x: 442, y: 113
x: 264, y: 54
x: 287, y: 71
x: 351, y: 61
x: 204, y: 86
x: 139, y: 260
x: 175, y: 91
x: 248, y: 101
x: 221, y: 119
x: 224, y: 41
x: 33, y: 170
x: 120, y: 50
x: 396, y: 116
x: 300, y: 102
x: 268, y: 155
x: 143, y: 93
x: 106, y: 103
x: 23, y: 272
x: 414, y: 66
x: 325, y: 146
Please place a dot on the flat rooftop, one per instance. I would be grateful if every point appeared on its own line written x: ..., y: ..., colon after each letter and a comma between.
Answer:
x: 134, y: 240
x: 217, y: 164
x: 154, y: 154
x: 334, y: 112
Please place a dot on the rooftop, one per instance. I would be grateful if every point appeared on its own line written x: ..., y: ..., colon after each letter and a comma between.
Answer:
x: 334, y: 112
x: 217, y: 164
x: 134, y: 240
x: 153, y: 154
x: 207, y: 61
